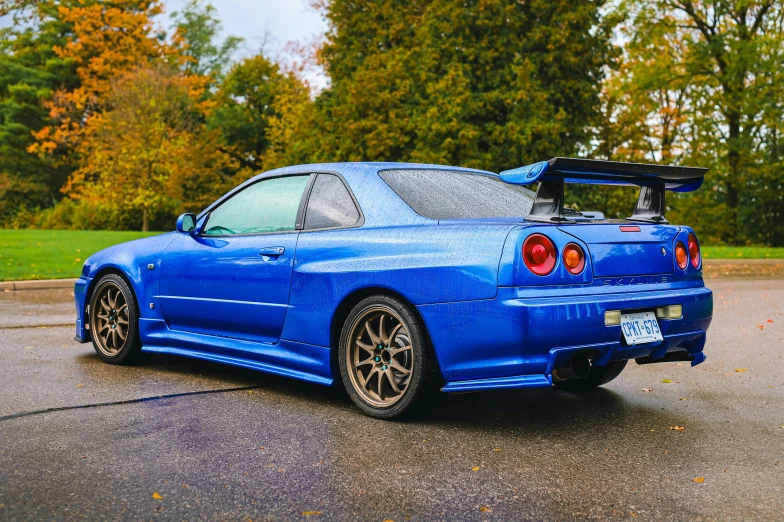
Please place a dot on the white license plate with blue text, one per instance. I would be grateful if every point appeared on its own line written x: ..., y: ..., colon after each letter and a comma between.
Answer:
x: 640, y: 328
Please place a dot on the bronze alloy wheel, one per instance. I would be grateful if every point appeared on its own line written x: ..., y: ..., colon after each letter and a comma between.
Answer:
x: 379, y: 358
x: 110, y: 319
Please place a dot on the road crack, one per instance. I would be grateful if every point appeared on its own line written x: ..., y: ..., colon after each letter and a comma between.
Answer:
x: 128, y: 401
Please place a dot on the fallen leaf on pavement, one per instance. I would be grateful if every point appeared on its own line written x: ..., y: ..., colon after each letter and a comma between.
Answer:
x: 770, y: 320
x: 309, y: 513
x: 79, y: 385
x: 677, y: 428
x: 485, y: 509
x: 475, y: 468
x: 497, y: 449
x: 741, y: 370
x: 666, y: 381
x: 699, y: 480
x: 157, y: 496
x: 761, y: 326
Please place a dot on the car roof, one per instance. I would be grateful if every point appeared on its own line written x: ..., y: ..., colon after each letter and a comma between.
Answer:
x: 371, y: 192
x: 370, y: 167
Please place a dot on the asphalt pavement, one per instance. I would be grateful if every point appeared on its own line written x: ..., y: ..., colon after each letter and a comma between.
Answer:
x: 191, y: 440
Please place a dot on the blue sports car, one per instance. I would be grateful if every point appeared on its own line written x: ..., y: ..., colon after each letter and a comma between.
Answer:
x: 397, y: 280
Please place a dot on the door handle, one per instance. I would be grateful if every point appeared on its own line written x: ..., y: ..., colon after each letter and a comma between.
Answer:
x: 272, y: 251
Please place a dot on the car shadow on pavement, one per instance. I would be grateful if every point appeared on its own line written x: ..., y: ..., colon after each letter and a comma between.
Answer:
x: 538, y: 411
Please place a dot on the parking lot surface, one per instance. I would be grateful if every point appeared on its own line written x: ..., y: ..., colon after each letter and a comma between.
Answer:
x: 190, y: 440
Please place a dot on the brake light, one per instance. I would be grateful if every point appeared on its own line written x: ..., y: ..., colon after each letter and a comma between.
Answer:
x: 573, y: 258
x: 681, y: 256
x: 539, y: 254
x: 694, y: 251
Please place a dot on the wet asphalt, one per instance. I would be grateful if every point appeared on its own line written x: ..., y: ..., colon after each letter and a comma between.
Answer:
x: 177, y: 439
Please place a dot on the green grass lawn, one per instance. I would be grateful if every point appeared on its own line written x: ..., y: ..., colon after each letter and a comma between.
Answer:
x: 727, y: 252
x: 53, y: 254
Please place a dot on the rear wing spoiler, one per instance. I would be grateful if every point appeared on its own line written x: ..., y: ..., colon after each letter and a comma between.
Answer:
x: 653, y: 180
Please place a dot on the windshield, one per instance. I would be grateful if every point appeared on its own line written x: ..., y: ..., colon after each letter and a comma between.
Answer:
x: 446, y: 194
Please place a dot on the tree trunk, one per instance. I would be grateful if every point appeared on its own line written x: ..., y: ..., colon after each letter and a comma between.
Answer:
x: 145, y: 221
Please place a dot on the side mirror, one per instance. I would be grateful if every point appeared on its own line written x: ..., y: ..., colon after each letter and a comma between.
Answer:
x: 186, y: 223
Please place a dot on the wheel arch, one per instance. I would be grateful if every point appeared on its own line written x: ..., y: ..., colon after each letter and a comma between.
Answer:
x: 344, y: 309
x: 104, y: 271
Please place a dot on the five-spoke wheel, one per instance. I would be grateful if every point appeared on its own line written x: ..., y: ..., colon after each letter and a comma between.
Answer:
x: 384, y: 357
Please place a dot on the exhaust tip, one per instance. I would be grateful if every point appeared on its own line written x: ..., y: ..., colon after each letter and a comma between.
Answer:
x: 579, y: 368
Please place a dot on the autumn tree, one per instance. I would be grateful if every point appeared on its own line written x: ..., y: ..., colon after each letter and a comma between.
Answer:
x: 107, y: 39
x: 147, y: 150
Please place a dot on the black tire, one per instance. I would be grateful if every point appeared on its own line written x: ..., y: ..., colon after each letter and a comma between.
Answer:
x: 423, y: 377
x: 112, y: 290
x: 597, y: 376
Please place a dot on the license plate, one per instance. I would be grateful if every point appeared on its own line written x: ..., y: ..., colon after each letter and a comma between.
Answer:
x: 640, y: 328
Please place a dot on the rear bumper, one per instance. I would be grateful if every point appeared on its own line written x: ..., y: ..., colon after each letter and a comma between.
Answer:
x: 516, y: 339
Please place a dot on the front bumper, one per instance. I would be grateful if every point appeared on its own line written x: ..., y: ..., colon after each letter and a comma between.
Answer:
x: 519, y: 338
x: 80, y: 295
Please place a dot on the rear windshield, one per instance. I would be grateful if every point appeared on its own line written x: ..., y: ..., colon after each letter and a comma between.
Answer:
x: 445, y: 194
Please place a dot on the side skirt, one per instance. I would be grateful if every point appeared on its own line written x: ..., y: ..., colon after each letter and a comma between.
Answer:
x: 499, y: 383
x: 242, y: 363
x: 302, y: 361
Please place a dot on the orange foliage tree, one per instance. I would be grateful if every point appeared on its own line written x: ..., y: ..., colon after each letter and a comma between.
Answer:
x: 133, y: 128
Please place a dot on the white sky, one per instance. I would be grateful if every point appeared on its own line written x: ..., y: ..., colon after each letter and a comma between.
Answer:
x: 268, y: 23
x: 276, y: 21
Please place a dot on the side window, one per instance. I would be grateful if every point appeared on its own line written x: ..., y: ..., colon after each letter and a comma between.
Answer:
x: 330, y: 204
x: 266, y: 206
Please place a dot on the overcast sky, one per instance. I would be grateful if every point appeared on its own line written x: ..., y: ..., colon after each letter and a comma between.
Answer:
x: 275, y: 22
x: 280, y: 21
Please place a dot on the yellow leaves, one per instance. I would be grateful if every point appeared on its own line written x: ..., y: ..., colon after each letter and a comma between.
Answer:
x: 741, y: 370
x: 699, y: 480
x: 310, y: 513
x: 677, y: 428
x: 497, y: 449
x: 667, y: 381
x: 485, y: 509
x: 157, y: 496
x: 475, y: 468
x: 80, y: 385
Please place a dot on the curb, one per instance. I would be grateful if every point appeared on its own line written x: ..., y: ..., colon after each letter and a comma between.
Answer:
x: 41, y: 284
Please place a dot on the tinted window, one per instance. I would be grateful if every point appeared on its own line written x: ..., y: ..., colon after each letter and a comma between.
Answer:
x: 266, y: 206
x: 330, y: 204
x: 439, y: 194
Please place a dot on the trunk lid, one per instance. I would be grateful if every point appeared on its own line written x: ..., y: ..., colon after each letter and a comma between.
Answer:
x: 618, y: 249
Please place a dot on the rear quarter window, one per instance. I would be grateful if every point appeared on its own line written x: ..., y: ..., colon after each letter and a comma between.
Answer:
x: 445, y: 194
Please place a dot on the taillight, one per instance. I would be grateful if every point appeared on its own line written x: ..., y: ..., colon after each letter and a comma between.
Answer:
x: 573, y: 258
x: 694, y: 251
x: 681, y: 256
x: 539, y: 254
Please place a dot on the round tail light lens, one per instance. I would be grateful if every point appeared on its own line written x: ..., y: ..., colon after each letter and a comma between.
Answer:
x: 539, y: 254
x: 681, y: 256
x: 694, y: 251
x: 573, y: 258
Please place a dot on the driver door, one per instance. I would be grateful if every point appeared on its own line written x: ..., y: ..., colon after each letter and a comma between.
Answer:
x: 232, y: 279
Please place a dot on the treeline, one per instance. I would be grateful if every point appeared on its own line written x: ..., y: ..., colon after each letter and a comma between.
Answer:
x: 108, y: 121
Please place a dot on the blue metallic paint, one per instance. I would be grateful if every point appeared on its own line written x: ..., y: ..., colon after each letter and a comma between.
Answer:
x: 492, y: 323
